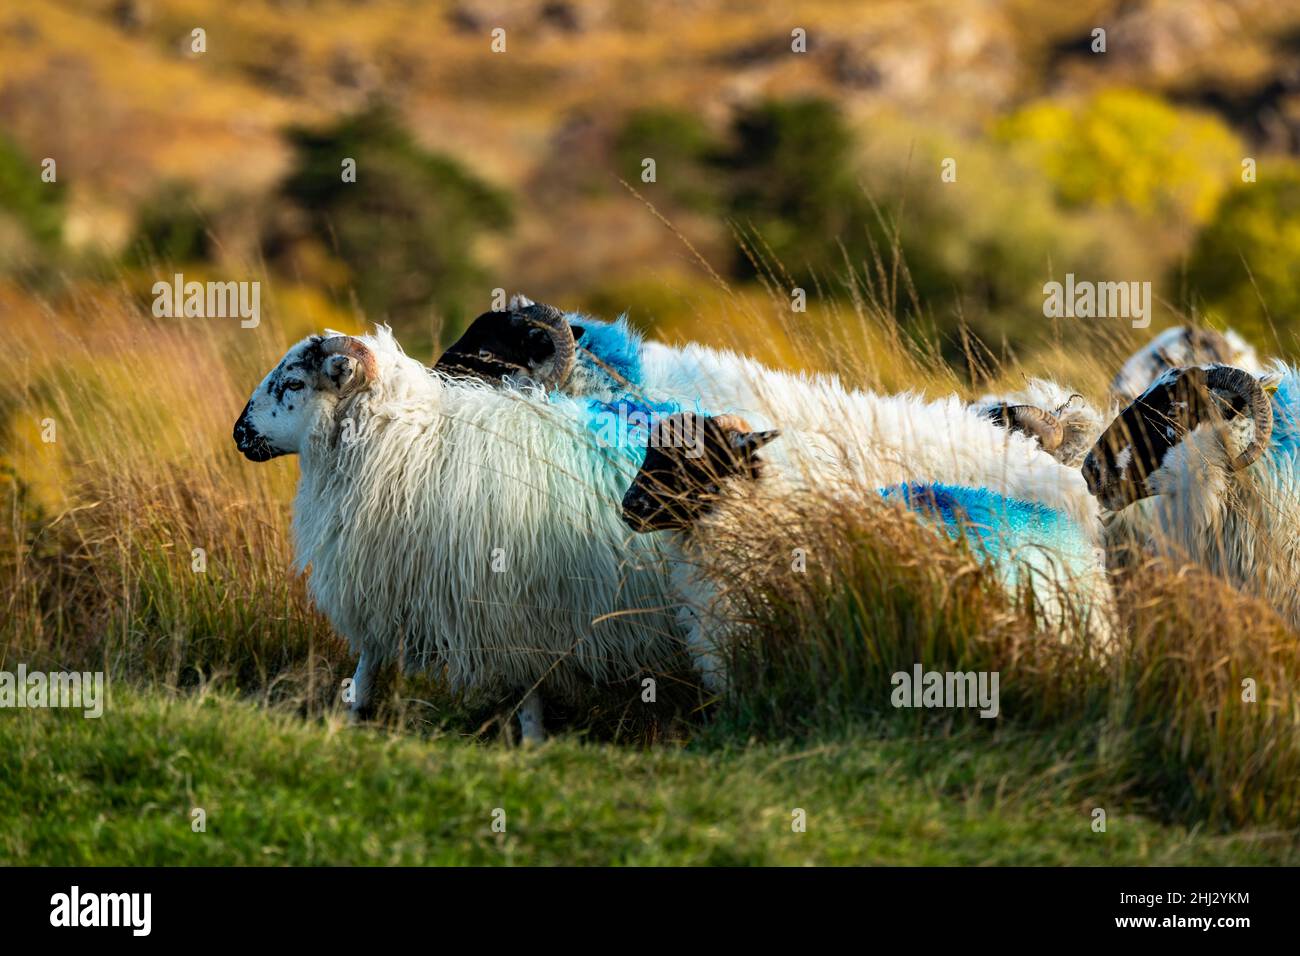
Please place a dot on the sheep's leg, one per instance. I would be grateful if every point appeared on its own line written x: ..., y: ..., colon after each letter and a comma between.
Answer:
x: 363, y: 688
x: 530, y: 718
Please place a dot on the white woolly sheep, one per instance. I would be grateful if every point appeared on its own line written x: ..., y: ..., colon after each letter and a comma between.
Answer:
x: 702, y: 473
x: 454, y: 527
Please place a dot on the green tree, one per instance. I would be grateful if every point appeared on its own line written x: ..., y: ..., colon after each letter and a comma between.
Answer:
x: 171, y: 228
x: 791, y: 180
x: 406, y: 229
x: 1243, y: 265
x: 31, y: 210
x: 683, y: 149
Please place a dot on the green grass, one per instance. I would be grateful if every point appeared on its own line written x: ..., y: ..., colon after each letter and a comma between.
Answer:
x: 281, y: 790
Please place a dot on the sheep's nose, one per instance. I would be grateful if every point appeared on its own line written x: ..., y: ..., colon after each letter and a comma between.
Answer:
x: 242, y: 430
x: 636, y: 508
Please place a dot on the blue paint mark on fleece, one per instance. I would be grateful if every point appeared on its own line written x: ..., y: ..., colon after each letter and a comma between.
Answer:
x: 616, y: 344
x: 1285, y: 443
x: 999, y: 528
x: 624, y: 424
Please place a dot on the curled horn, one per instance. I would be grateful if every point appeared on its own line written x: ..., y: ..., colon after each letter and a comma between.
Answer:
x: 1245, y: 386
x: 1036, y: 422
x: 353, y: 348
x: 552, y: 320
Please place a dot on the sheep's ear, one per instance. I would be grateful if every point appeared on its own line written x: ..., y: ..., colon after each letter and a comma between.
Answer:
x: 747, y: 443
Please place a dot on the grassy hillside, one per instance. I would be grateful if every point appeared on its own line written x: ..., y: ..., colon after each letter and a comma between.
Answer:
x: 134, y: 539
x: 280, y: 790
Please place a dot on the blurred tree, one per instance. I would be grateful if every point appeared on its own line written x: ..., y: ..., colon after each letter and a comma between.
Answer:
x: 1243, y: 265
x: 406, y: 229
x: 1123, y: 147
x: 976, y: 249
x: 681, y: 146
x: 31, y: 211
x: 983, y: 245
x: 171, y: 228
x: 791, y: 180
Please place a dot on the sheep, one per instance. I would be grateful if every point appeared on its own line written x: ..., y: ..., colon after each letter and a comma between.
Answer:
x: 1065, y: 424
x: 878, y: 440
x: 1214, y: 452
x: 1180, y: 347
x: 700, y: 472
x: 459, y: 528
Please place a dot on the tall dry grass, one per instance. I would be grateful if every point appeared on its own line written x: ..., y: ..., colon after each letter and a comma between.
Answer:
x: 100, y: 527
x: 1160, y: 712
x: 136, y: 540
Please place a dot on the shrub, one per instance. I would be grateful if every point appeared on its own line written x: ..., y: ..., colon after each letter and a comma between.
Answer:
x: 1244, y: 263
x: 980, y: 248
x: 1130, y: 149
x: 31, y: 211
x: 790, y: 174
x: 407, y: 228
x: 683, y: 149
x: 171, y: 228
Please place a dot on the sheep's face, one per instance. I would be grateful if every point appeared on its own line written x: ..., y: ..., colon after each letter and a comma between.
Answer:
x: 308, y: 383
x: 687, y: 462
x: 1172, y: 422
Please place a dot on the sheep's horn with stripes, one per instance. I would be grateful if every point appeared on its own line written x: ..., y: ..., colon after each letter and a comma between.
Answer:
x: 1245, y: 386
x: 1033, y: 421
x: 552, y: 320
x: 353, y: 348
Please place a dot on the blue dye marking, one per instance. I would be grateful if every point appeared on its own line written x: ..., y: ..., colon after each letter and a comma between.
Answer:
x: 1285, y: 443
x: 616, y: 344
x: 997, y: 527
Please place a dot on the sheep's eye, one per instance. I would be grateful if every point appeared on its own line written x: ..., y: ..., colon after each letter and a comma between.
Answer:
x: 294, y: 385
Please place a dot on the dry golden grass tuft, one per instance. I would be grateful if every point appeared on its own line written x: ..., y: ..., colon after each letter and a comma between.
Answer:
x: 1209, y: 693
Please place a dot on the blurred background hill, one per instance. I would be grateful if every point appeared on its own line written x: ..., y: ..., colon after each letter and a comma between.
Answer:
x: 781, y: 158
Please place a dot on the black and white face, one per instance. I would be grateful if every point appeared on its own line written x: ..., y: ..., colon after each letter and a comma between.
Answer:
x: 498, y: 344
x: 1125, y: 464
x: 282, y: 410
x: 685, y: 466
